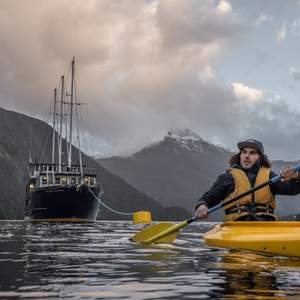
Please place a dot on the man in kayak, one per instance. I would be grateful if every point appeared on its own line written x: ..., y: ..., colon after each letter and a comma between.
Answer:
x: 248, y: 168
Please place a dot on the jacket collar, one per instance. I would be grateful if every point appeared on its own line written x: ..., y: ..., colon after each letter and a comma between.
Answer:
x: 251, y: 173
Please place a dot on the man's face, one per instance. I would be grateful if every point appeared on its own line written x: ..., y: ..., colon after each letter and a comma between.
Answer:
x: 249, y: 157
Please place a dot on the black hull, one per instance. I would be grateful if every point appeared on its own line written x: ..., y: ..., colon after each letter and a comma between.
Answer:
x: 59, y: 203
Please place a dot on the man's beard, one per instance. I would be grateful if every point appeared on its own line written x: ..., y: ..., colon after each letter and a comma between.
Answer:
x: 248, y: 166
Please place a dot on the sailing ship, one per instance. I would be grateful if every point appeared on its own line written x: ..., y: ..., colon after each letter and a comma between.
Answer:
x: 62, y: 190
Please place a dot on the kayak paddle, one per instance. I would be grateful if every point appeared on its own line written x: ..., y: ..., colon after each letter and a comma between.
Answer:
x: 167, y: 232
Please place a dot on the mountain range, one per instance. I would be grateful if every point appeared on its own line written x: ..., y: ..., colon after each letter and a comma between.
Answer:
x: 23, y: 138
x: 166, y: 178
x: 180, y: 168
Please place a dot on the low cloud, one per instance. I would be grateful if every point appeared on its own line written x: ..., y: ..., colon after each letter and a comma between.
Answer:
x: 262, y: 18
x: 289, y: 30
x: 224, y: 7
x: 244, y: 92
x: 281, y: 33
x: 295, y: 28
x: 295, y: 73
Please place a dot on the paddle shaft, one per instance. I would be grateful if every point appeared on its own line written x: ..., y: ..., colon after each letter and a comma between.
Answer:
x: 182, y: 224
x: 252, y: 190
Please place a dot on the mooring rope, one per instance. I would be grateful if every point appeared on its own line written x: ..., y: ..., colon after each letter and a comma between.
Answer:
x: 107, y: 207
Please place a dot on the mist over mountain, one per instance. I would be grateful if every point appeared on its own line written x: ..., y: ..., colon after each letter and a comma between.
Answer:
x: 175, y: 171
x: 23, y: 137
x: 180, y: 168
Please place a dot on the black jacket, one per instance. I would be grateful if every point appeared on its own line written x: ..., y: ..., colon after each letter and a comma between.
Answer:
x: 224, y: 186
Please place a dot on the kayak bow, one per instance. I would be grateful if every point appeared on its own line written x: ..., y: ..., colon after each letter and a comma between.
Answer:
x: 274, y: 237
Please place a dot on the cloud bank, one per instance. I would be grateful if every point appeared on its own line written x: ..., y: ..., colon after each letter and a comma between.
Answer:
x: 144, y: 67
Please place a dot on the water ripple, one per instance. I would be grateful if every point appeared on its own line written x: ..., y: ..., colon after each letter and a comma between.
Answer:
x: 98, y: 261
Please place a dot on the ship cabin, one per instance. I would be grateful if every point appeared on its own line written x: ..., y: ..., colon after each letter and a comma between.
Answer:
x: 47, y: 175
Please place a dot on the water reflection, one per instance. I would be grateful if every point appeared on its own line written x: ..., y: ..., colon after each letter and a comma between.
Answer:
x: 251, y: 275
x: 98, y: 261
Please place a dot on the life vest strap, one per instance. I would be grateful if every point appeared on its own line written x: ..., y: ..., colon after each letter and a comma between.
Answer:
x: 251, y: 208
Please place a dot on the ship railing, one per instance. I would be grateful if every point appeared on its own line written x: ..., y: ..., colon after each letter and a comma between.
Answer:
x: 54, y: 168
x: 46, y: 180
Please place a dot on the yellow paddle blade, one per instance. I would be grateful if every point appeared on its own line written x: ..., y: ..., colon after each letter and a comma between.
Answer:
x: 159, y: 233
x: 152, y: 231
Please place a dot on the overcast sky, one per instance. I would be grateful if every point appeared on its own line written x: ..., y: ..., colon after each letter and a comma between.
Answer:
x: 228, y: 70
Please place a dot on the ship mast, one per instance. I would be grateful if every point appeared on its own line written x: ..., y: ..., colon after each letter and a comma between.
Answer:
x: 60, y: 125
x: 78, y: 138
x: 71, y: 113
x: 53, y: 133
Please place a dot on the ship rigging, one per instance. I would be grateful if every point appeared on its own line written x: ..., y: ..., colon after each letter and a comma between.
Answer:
x: 62, y: 190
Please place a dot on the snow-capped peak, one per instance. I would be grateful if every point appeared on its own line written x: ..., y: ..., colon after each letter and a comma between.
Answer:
x: 184, y: 135
x: 190, y: 140
x: 186, y: 138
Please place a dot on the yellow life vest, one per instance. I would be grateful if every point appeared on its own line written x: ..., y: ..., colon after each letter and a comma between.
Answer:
x: 264, y: 201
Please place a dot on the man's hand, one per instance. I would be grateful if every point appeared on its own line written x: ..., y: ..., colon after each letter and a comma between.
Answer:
x: 201, y: 211
x: 288, y: 173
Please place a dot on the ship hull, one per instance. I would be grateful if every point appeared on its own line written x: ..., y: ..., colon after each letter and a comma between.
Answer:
x: 59, y: 203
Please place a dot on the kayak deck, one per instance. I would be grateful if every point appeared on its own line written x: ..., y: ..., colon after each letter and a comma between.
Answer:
x: 278, y: 237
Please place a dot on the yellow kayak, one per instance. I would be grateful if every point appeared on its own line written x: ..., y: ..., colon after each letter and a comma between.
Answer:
x: 278, y: 237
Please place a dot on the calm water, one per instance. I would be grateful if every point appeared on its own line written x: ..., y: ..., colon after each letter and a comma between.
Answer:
x: 97, y: 261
